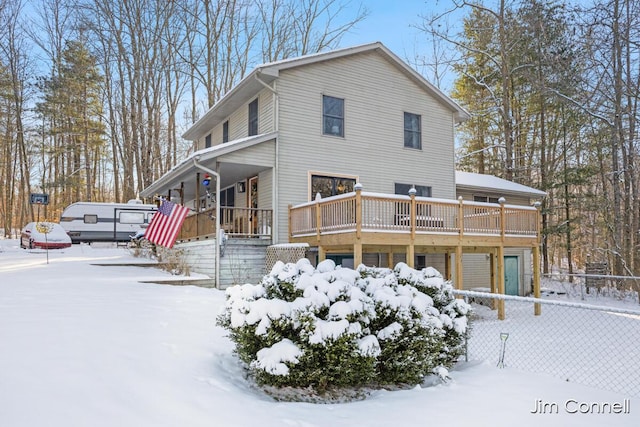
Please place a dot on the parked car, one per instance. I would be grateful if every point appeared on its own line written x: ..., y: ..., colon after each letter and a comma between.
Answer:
x: 44, y: 235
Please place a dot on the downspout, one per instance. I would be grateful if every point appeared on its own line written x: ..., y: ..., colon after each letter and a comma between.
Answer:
x: 274, y: 179
x: 217, y: 175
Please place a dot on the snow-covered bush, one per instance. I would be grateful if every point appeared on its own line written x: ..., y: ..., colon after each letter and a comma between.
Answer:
x: 334, y: 327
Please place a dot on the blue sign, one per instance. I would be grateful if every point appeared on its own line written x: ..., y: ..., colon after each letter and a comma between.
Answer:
x: 39, y: 199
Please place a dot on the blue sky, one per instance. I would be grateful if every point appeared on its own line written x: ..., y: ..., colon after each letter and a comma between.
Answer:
x: 393, y: 22
x: 390, y: 23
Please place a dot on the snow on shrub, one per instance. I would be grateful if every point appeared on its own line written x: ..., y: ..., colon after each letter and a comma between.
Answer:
x: 333, y: 327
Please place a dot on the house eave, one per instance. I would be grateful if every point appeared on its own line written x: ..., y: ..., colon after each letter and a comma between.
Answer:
x: 204, y: 156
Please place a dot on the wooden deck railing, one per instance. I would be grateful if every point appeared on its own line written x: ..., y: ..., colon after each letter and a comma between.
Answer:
x: 394, y: 213
x: 246, y: 222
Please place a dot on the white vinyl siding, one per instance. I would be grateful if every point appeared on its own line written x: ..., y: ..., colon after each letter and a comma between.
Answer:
x: 376, y: 94
x: 260, y: 155
x: 238, y: 121
x: 265, y: 189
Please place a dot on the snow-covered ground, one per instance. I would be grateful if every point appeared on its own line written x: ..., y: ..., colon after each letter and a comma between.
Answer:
x: 88, y: 345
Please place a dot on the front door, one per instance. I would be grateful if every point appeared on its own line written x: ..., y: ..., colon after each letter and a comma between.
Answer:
x: 511, y: 281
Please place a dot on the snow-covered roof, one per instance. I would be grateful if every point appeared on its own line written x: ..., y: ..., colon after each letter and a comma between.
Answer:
x: 481, y: 182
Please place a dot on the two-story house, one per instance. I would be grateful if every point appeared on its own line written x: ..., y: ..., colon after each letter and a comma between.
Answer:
x: 289, y: 144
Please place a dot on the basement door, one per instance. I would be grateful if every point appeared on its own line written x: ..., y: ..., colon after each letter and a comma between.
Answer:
x: 511, y: 275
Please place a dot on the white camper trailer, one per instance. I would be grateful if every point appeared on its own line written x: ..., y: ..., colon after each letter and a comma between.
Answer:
x: 105, y: 222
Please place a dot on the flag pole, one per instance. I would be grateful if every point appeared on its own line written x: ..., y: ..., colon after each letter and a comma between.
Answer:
x: 217, y: 175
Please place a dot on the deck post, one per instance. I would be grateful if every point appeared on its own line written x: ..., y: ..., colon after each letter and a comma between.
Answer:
x: 322, y: 254
x: 459, y: 268
x: 493, y: 276
x: 357, y: 246
x: 390, y: 259
x: 411, y: 255
x: 318, y: 218
x: 503, y: 217
x: 289, y: 220
x: 537, y: 308
x: 536, y: 280
x: 500, y: 281
x: 447, y: 266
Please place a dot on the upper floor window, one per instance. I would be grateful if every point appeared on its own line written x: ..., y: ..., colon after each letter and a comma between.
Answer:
x: 421, y: 190
x: 412, y: 131
x: 225, y: 132
x: 253, y: 117
x: 332, y: 116
x: 329, y: 186
x: 207, y: 141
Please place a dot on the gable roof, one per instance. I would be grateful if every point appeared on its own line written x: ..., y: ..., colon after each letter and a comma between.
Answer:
x: 489, y: 183
x: 263, y: 74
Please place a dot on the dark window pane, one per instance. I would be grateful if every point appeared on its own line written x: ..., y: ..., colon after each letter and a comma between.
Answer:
x: 412, y: 131
x: 421, y: 190
x: 332, y: 116
x: 333, y: 126
x: 225, y: 131
x: 207, y: 141
x: 253, y: 118
x: 329, y: 186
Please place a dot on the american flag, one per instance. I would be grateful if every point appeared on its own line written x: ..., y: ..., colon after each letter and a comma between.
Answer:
x: 166, y: 224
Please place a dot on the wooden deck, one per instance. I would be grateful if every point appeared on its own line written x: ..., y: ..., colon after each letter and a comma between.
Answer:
x: 361, y: 222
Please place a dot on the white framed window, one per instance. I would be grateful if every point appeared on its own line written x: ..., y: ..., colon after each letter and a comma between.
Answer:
x: 328, y: 185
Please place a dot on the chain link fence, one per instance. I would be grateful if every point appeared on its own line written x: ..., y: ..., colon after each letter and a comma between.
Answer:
x: 590, y: 345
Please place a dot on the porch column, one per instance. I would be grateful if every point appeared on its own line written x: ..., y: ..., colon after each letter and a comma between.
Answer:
x: 197, y: 201
x: 501, y: 281
x: 390, y: 259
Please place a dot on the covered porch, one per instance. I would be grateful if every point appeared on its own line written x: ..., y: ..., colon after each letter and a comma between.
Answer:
x: 361, y: 222
x: 227, y: 185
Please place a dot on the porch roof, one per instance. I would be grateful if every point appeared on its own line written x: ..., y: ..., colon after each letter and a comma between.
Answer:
x: 491, y: 183
x: 185, y: 171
